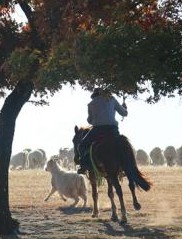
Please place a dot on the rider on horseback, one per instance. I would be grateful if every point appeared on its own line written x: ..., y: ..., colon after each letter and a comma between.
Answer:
x: 101, y: 115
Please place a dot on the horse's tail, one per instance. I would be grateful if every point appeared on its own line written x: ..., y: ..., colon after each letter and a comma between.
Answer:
x: 130, y: 166
x: 139, y: 179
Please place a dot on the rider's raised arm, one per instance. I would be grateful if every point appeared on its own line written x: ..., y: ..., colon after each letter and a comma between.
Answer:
x: 121, y: 109
x: 89, y: 119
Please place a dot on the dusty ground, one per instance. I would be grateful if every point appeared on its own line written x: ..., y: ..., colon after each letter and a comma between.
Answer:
x: 159, y: 217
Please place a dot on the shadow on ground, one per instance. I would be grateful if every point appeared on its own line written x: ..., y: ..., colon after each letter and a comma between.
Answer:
x: 129, y: 231
x: 74, y: 210
x: 118, y: 230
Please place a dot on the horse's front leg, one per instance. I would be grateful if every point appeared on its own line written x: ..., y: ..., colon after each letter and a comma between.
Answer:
x: 119, y: 192
x: 114, y: 216
x: 136, y: 204
x: 93, y: 182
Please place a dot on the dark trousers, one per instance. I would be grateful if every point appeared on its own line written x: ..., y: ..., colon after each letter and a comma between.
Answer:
x: 92, y: 136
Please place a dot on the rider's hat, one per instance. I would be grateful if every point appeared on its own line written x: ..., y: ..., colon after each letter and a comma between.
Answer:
x: 96, y: 92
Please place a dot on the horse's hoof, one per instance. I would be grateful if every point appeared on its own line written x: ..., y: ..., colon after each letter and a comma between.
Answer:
x: 114, y: 218
x: 95, y: 215
x: 137, y: 206
x: 124, y: 220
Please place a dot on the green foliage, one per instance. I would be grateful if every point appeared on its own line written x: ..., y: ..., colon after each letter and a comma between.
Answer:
x: 8, y: 41
x: 21, y: 65
x: 58, y: 69
x: 115, y: 44
x: 124, y: 57
x: 106, y: 55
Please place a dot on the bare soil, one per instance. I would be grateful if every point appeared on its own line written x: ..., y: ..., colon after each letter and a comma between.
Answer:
x: 160, y: 216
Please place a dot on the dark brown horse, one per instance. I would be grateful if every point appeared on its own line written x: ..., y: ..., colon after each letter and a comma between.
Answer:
x: 112, y: 157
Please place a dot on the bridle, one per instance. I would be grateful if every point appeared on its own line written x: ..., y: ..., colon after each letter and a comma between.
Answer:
x: 77, y: 140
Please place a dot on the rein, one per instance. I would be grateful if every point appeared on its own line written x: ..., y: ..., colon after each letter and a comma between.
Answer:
x: 80, y: 136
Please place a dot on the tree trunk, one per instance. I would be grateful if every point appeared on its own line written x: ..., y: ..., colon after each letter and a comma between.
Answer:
x: 10, y: 110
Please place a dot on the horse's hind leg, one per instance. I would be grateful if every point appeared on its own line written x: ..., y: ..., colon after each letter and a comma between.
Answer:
x: 136, y: 204
x: 93, y: 183
x: 114, y: 216
x: 119, y: 192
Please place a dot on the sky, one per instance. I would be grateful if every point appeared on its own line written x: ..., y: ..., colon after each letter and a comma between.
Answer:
x: 52, y: 127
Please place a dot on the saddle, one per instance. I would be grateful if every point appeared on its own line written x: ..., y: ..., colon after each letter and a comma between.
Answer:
x: 100, y: 141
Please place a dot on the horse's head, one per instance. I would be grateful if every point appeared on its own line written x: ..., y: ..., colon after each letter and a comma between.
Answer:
x: 79, y: 134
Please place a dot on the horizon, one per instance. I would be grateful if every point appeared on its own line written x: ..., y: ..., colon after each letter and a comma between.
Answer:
x: 52, y: 127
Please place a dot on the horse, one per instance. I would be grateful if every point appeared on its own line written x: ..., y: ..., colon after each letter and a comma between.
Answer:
x: 112, y: 156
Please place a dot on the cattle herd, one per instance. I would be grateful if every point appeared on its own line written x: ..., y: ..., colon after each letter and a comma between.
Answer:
x: 170, y: 156
x: 28, y: 159
x: 32, y: 159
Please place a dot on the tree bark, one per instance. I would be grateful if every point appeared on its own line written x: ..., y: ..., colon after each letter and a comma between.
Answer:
x: 8, y: 115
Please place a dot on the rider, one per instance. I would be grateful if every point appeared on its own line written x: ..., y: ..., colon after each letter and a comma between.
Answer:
x: 101, y: 115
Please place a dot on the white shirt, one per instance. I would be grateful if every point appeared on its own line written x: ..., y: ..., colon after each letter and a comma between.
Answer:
x: 101, y: 111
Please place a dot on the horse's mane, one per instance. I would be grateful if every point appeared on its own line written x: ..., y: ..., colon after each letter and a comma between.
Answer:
x: 88, y: 127
x: 85, y: 129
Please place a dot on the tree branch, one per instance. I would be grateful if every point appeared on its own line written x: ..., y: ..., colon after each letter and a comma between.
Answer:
x: 27, y: 11
x: 36, y: 40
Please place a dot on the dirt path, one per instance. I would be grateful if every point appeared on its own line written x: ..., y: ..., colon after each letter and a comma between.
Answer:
x: 77, y: 223
x: 159, y: 218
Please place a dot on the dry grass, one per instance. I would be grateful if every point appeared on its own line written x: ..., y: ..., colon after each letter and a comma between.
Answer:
x: 160, y: 216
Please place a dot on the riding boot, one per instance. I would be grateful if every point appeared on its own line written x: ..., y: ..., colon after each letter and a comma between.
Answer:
x: 85, y: 164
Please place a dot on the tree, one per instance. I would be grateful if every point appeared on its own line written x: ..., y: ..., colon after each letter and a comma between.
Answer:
x: 27, y: 67
x: 115, y: 44
x: 144, y: 44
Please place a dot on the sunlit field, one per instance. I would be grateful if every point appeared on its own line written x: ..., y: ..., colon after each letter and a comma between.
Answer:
x: 159, y: 217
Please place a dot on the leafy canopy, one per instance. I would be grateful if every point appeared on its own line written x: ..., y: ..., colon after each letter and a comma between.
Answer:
x: 116, y: 44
